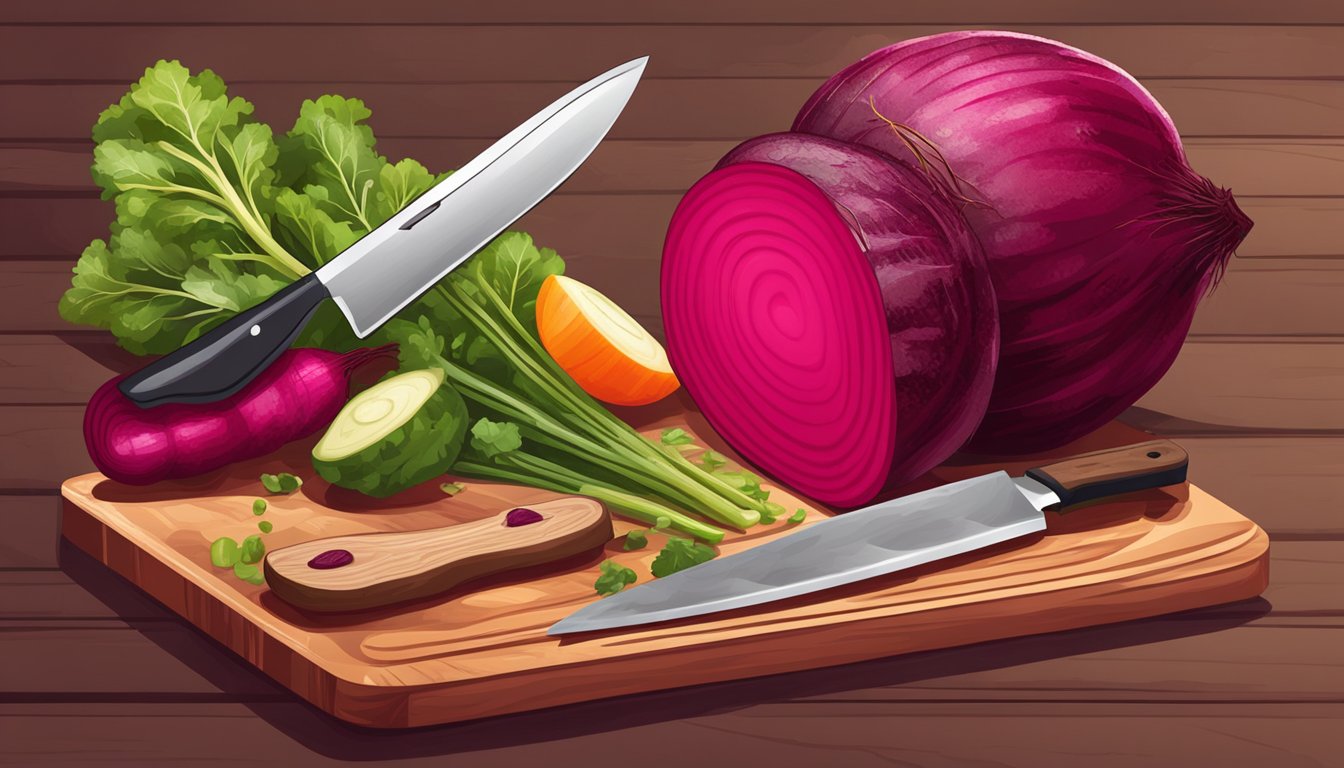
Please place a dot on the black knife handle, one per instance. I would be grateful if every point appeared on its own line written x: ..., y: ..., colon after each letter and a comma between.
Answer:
x: 1114, y: 471
x: 224, y: 360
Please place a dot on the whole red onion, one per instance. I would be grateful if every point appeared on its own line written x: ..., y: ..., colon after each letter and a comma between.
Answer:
x: 1101, y: 239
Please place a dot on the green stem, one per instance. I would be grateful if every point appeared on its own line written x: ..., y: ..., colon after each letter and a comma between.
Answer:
x: 587, y: 414
x: 656, y: 477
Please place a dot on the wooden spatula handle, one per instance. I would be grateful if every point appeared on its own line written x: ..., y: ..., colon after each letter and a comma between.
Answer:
x: 350, y: 573
x: 1114, y: 471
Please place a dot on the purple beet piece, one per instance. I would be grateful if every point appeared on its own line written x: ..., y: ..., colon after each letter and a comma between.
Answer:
x: 332, y: 558
x: 521, y: 516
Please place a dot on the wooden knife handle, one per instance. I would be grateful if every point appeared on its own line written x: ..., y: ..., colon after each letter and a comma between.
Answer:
x: 356, y: 572
x: 1114, y: 471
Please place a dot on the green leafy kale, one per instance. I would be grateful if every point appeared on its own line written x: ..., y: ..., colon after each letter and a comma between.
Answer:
x: 679, y: 554
x: 613, y: 578
x: 206, y: 226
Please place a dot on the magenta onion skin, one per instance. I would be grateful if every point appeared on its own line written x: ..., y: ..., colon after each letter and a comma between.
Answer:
x: 298, y: 394
x: 1101, y: 240
x: 829, y: 312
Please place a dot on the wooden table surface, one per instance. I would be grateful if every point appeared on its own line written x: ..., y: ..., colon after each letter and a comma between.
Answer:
x: 94, y: 672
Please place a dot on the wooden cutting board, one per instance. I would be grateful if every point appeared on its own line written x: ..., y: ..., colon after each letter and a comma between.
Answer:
x: 483, y: 650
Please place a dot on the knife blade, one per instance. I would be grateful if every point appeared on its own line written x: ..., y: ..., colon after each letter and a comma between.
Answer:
x: 392, y: 265
x: 884, y: 538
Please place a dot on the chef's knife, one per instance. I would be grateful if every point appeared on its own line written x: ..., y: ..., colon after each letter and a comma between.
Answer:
x: 392, y: 265
x: 891, y: 536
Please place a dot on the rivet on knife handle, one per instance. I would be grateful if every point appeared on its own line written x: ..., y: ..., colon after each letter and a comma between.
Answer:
x: 224, y: 360
x: 1113, y: 471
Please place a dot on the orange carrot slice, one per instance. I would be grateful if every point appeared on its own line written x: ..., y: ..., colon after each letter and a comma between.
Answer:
x: 603, y: 348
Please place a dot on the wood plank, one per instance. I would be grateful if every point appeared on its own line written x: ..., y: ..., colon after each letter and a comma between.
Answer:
x: 113, y: 657
x: 1275, y: 297
x: 1234, y: 385
x: 423, y: 53
x: 43, y: 445
x: 727, y: 109
x: 49, y: 370
x: 1248, y: 167
x: 754, y: 12
x: 722, y: 721
x: 633, y: 226
x: 32, y: 530
x: 1293, y: 484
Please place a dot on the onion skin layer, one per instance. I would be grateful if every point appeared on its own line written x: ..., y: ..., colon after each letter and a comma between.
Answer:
x: 595, y: 362
x: 297, y: 395
x: 1101, y: 240
x: 829, y: 312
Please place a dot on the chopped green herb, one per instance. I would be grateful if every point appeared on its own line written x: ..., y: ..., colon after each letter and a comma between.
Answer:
x: 265, y: 526
x: 252, y: 550
x: 249, y: 572
x: 452, y: 489
x: 614, y: 578
x: 680, y: 554
x: 712, y: 459
x: 495, y: 438
x: 662, y: 523
x: 259, y: 507
x: 281, y: 483
x: 676, y: 436
x: 747, y: 483
x: 799, y: 516
x: 772, y: 512
x: 223, y: 552
x: 636, y: 539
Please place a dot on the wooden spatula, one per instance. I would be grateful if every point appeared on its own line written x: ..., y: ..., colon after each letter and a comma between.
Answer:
x: 350, y: 573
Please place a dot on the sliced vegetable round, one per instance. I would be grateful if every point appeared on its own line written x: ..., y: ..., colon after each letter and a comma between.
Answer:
x: 603, y: 348
x: 396, y: 434
x: 829, y: 312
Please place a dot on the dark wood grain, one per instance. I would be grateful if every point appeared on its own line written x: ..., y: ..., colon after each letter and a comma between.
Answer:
x: 429, y: 53
x: 1299, y: 385
x: 783, y: 732
x: 1275, y: 297
x: 694, y: 108
x: 31, y: 525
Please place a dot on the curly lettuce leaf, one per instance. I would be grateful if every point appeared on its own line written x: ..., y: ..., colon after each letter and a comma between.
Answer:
x: 154, y: 297
x: 198, y: 181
